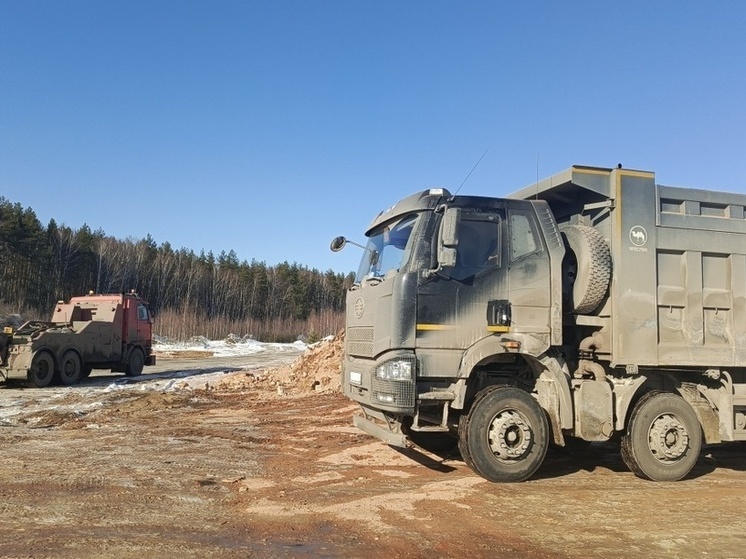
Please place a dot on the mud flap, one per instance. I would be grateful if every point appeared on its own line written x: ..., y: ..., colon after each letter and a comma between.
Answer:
x: 549, y: 401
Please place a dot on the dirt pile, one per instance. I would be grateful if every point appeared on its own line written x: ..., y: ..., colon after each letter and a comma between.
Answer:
x: 317, y: 370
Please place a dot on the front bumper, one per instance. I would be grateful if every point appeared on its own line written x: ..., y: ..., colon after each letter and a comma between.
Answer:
x: 375, y: 430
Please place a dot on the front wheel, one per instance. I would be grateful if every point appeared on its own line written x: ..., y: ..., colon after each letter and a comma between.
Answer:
x: 506, y: 435
x: 663, y: 438
x: 135, y: 363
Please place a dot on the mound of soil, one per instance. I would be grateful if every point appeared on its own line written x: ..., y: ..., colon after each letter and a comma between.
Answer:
x: 317, y: 370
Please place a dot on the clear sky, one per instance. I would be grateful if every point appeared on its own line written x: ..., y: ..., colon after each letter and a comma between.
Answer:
x: 269, y: 127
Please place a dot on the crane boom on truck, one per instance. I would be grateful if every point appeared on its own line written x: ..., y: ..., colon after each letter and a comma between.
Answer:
x: 594, y: 303
x: 88, y: 332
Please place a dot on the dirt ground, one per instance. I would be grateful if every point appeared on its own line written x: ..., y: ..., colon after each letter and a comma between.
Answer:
x: 193, y: 462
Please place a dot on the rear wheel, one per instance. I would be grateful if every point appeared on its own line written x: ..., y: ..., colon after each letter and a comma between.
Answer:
x: 70, y: 368
x: 506, y: 434
x: 135, y: 363
x: 41, y: 372
x: 663, y: 438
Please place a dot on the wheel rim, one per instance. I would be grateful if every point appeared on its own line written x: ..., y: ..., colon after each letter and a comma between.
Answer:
x: 667, y: 438
x: 510, y: 436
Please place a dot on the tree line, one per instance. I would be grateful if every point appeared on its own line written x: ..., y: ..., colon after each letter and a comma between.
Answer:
x: 190, y: 294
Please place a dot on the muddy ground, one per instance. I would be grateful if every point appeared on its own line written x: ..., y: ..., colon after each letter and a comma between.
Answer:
x: 252, y: 464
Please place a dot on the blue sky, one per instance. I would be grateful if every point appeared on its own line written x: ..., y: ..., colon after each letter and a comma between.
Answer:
x: 270, y: 127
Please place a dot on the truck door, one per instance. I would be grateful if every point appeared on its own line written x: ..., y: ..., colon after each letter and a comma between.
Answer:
x: 144, y: 324
x: 453, y: 308
x: 529, y: 275
x: 138, y: 325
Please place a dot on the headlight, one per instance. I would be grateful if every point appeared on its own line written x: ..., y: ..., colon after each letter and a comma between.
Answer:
x: 395, y: 370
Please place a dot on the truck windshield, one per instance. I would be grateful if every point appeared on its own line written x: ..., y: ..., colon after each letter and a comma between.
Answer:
x: 388, y: 248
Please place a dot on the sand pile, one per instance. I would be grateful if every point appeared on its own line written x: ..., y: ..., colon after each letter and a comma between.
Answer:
x: 317, y: 370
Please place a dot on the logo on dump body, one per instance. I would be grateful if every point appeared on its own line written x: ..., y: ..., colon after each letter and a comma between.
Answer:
x: 638, y: 236
x: 359, y: 307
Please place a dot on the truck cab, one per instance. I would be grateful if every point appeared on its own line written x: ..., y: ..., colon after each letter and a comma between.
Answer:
x: 447, y: 285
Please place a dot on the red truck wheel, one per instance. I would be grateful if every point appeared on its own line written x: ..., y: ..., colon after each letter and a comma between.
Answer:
x: 41, y: 372
x: 135, y: 363
x: 70, y: 368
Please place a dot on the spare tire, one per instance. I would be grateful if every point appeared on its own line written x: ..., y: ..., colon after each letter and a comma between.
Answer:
x: 586, y: 269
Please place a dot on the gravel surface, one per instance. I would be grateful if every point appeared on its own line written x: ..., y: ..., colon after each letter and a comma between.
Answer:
x: 189, y: 460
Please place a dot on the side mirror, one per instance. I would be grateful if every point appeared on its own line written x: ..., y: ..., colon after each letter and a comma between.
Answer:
x: 337, y: 244
x: 448, y: 238
x: 447, y: 241
x: 448, y: 228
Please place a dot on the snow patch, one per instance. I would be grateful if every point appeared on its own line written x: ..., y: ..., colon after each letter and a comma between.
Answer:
x: 232, y: 346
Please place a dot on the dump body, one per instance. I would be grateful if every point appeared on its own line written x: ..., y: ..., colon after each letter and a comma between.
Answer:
x: 590, y: 304
x: 678, y: 290
x: 88, y: 332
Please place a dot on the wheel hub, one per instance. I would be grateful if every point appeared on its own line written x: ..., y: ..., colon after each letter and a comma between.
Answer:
x: 510, y: 436
x: 668, y: 438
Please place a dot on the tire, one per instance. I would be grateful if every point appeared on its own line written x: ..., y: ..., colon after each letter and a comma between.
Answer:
x: 463, y: 448
x: 586, y: 270
x: 135, y: 363
x: 70, y: 368
x: 41, y: 372
x: 663, y: 438
x: 506, y: 434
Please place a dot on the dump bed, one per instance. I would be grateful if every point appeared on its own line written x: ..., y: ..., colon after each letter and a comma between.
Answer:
x: 678, y: 289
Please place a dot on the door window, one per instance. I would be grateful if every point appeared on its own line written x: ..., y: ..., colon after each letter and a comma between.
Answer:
x: 478, y: 244
x: 142, y: 312
x: 522, y: 236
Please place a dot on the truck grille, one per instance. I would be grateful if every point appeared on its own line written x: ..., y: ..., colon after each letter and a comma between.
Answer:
x: 360, y: 341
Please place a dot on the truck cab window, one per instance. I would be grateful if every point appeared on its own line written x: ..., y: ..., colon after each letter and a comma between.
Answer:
x: 478, y: 244
x: 522, y: 236
x: 388, y: 249
x: 142, y: 312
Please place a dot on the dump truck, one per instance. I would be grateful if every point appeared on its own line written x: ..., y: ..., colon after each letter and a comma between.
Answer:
x: 594, y: 305
x: 88, y: 332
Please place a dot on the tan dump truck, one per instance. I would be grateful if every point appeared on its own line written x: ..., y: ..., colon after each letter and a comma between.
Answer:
x: 594, y: 305
x: 89, y: 332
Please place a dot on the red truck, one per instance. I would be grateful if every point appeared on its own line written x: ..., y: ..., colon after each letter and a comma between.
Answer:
x: 88, y: 332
